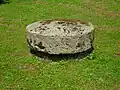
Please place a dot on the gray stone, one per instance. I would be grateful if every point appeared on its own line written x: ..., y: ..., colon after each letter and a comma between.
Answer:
x: 60, y: 36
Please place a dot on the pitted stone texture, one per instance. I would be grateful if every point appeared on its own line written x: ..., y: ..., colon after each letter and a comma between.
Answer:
x: 60, y: 36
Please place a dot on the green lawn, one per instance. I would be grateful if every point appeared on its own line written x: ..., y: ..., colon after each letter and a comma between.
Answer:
x: 19, y: 70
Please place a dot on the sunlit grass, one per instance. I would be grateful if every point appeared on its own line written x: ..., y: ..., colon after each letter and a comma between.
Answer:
x: 19, y: 70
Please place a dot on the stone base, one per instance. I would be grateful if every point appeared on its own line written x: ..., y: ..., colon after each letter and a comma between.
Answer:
x: 54, y: 57
x: 60, y: 37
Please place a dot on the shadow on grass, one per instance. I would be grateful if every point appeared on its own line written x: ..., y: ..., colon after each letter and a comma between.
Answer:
x: 4, y: 1
x: 62, y: 56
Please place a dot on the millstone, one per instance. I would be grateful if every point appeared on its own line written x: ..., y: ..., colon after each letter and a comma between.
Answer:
x: 60, y: 36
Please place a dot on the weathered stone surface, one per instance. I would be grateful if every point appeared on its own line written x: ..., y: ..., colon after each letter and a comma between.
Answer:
x: 60, y: 36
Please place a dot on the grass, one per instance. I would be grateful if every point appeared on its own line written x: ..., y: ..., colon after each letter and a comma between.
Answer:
x: 19, y: 70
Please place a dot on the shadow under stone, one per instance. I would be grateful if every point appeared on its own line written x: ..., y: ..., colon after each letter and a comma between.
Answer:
x: 59, y: 57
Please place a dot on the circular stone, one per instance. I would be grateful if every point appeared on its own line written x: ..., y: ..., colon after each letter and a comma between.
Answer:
x: 60, y: 36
